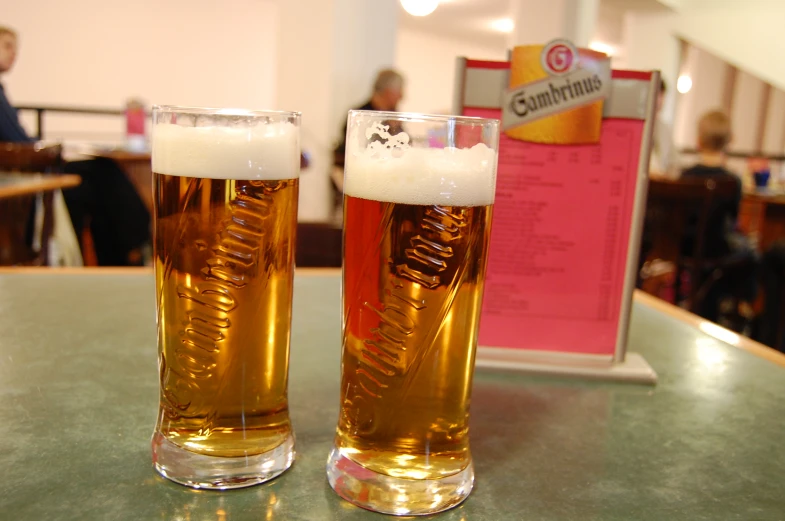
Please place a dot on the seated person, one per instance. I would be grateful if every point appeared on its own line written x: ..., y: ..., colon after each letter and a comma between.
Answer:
x: 119, y: 220
x: 723, y: 236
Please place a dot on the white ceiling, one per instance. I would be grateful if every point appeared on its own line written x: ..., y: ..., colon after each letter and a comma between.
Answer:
x: 471, y: 18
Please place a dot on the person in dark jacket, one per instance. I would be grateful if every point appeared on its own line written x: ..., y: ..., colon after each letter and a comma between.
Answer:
x: 387, y: 93
x: 119, y: 220
x: 723, y: 238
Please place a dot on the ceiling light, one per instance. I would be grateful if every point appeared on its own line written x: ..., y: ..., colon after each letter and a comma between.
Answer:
x: 684, y: 84
x: 420, y: 7
x: 602, y: 47
x: 503, y: 25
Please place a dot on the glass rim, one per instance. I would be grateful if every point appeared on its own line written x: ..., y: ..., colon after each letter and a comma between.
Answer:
x: 226, y: 111
x: 416, y: 116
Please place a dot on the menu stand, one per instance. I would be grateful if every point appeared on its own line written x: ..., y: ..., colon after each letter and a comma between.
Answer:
x: 569, y: 209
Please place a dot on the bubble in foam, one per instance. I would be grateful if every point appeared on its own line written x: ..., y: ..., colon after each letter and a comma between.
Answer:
x: 266, y: 151
x: 394, y: 171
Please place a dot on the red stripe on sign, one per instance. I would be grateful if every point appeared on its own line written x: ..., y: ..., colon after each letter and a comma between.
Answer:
x: 477, y: 107
x: 631, y: 75
x: 485, y: 64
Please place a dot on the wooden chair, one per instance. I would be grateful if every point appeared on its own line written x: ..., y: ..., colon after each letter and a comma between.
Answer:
x: 16, y: 213
x: 679, y: 212
x: 318, y: 245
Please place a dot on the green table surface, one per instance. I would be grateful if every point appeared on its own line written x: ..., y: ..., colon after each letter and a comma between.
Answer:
x: 78, y: 400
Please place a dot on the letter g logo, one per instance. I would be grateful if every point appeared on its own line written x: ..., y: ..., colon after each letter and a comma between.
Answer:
x: 559, y: 57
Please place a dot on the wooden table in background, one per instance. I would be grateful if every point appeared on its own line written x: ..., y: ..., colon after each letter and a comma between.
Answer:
x: 17, y: 193
x: 15, y: 185
x: 762, y: 216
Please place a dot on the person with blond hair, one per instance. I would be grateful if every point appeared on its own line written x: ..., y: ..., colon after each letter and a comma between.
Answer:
x: 714, y: 134
x: 106, y: 199
x: 723, y: 237
x: 10, y: 129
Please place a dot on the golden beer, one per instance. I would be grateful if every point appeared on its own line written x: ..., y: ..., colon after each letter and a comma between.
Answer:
x: 224, y: 266
x: 413, y: 294
x: 224, y: 287
x: 416, y: 235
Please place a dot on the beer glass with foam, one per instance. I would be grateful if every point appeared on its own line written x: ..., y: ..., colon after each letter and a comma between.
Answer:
x: 418, y: 197
x: 225, y: 213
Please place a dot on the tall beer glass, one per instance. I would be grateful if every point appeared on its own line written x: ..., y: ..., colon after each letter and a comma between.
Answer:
x: 419, y: 192
x: 225, y: 210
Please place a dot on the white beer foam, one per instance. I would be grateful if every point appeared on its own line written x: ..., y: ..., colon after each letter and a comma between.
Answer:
x: 267, y: 151
x: 398, y: 173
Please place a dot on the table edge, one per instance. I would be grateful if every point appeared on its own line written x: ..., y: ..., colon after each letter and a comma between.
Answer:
x: 35, y: 185
x: 777, y: 198
x: 711, y: 329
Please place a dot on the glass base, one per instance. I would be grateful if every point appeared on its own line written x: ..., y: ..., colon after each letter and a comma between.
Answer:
x: 217, y: 473
x: 398, y: 496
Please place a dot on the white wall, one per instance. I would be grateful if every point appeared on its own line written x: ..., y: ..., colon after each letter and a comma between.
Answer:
x: 540, y: 21
x: 303, y: 82
x: 610, y: 31
x: 99, y: 53
x: 428, y: 63
x: 774, y: 134
x: 745, y: 112
x: 364, y: 43
x: 649, y: 44
x: 708, y: 75
x: 746, y: 33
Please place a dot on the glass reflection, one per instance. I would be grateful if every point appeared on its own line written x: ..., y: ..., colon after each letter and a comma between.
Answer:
x: 712, y: 355
x: 720, y: 333
x: 198, y: 505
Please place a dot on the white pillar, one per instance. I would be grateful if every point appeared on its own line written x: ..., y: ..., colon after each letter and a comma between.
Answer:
x: 745, y: 113
x: 774, y: 134
x: 650, y: 43
x: 364, y: 43
x: 328, y: 52
x: 539, y: 21
x: 303, y: 84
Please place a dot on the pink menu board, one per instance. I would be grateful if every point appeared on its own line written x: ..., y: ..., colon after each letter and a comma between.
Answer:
x: 562, y: 236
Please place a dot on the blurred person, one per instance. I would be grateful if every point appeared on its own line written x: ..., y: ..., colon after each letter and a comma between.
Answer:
x: 662, y: 162
x: 387, y: 92
x: 119, y: 221
x: 723, y: 238
x: 10, y: 129
x: 769, y: 323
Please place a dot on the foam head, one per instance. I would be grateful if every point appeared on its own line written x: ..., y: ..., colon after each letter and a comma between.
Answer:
x: 265, y: 151
x: 394, y: 171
